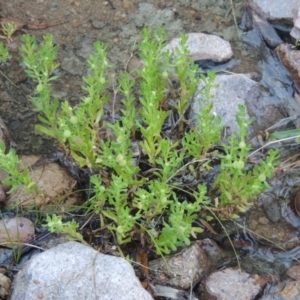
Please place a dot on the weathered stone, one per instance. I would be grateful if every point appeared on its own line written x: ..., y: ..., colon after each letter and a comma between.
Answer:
x: 283, y: 290
x: 233, y: 90
x: 212, y: 250
x: 73, y: 271
x: 53, y: 182
x: 204, y: 46
x: 295, y: 32
x: 278, y: 10
x: 271, y: 206
x: 291, y: 291
x: 277, y: 81
x: 294, y: 272
x: 231, y: 284
x: 15, y: 230
x: 150, y: 17
x: 181, y: 270
x: 98, y: 24
x: 86, y: 48
x: 291, y: 60
x: 72, y: 65
x: 5, y: 284
x: 266, y: 30
x: 127, y: 4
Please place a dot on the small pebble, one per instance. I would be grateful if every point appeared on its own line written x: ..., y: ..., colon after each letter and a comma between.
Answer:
x: 254, y: 224
x: 16, y: 230
x: 54, y: 6
x: 127, y: 4
x: 263, y: 221
x: 98, y: 24
x: 294, y: 273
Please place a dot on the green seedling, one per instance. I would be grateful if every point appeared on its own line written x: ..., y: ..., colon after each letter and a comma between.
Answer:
x: 296, y: 44
x: 55, y: 224
x: 4, y: 53
x: 8, y: 29
x: 208, y: 130
x: 238, y: 182
x: 11, y: 164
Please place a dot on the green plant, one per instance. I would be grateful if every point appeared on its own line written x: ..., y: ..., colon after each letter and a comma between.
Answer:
x: 238, y: 182
x: 152, y: 91
x: 77, y: 126
x: 8, y: 29
x: 130, y: 200
x: 4, y: 54
x: 187, y: 76
x: 55, y: 224
x: 11, y: 164
x: 208, y: 129
x: 296, y: 44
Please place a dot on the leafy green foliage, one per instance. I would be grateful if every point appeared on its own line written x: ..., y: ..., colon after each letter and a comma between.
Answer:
x: 238, y: 182
x: 4, y: 54
x: 131, y: 200
x: 179, y: 227
x: 55, y: 224
x: 152, y: 91
x: 76, y: 126
x: 186, y: 72
x: 8, y: 29
x: 209, y: 128
x: 10, y: 164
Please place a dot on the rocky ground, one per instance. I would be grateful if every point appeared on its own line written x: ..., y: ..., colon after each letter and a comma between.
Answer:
x: 257, y: 78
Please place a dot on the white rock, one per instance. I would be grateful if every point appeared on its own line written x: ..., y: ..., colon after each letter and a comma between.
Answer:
x: 73, y: 271
x: 204, y: 46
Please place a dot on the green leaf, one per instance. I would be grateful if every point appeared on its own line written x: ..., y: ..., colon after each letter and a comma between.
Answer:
x: 109, y: 214
x: 278, y: 135
x: 79, y: 159
x: 45, y: 130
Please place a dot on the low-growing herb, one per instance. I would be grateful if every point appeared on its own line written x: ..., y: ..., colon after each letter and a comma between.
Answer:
x: 144, y: 192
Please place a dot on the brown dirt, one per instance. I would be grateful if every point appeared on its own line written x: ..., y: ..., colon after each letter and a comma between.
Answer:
x: 117, y: 23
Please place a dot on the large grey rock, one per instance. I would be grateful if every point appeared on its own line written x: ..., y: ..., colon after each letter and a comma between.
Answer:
x: 278, y: 10
x: 233, y: 90
x: 204, y: 46
x: 73, y: 271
